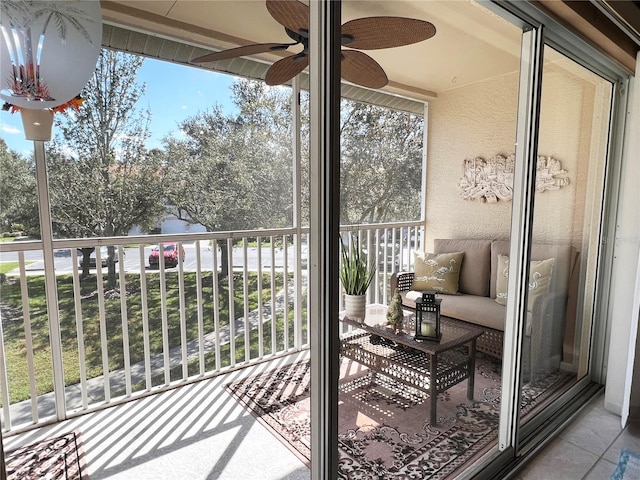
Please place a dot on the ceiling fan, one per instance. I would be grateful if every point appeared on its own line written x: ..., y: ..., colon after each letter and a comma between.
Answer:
x: 369, y: 33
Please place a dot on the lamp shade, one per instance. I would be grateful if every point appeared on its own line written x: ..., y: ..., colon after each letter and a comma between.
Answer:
x: 49, y: 50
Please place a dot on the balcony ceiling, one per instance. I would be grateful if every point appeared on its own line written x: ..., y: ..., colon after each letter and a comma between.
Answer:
x: 471, y: 43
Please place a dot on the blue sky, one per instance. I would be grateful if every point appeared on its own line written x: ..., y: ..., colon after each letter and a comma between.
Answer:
x: 174, y: 92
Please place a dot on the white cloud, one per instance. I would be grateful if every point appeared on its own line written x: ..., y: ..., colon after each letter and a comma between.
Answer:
x: 10, y: 130
x: 184, y: 107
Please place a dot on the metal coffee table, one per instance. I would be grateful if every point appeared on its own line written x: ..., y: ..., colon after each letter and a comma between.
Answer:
x: 429, y: 366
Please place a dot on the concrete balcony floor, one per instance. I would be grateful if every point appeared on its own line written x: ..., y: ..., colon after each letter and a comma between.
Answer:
x: 197, y: 431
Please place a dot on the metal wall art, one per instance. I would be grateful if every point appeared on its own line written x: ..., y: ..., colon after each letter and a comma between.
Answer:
x: 492, y: 180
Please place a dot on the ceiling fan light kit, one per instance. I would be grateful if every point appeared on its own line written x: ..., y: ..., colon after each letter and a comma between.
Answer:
x: 371, y: 33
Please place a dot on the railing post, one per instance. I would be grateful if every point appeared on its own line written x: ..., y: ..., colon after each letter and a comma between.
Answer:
x: 46, y: 233
x: 297, y: 210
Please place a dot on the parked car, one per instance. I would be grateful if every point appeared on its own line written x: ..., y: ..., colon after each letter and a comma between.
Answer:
x: 104, y: 255
x: 171, y: 256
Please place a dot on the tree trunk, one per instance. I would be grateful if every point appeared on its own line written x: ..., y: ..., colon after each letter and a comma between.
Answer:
x: 110, y: 231
x: 224, y: 261
x: 111, y: 269
x: 86, y: 253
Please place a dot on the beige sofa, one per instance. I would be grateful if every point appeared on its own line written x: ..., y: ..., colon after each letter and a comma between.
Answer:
x: 479, y: 285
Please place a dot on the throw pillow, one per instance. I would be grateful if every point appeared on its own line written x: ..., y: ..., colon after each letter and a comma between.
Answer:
x: 439, y: 272
x: 540, y: 272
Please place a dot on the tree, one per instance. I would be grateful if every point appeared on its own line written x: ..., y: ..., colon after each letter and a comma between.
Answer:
x: 381, y: 164
x: 233, y: 171
x: 103, y: 181
x: 18, y: 200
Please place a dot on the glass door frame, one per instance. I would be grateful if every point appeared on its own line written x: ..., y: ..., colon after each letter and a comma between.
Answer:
x: 324, y: 173
x: 524, y: 177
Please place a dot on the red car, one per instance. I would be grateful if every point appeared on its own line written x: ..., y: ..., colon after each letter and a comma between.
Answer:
x: 171, y: 256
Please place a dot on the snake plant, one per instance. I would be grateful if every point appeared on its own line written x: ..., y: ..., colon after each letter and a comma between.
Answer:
x: 355, y: 272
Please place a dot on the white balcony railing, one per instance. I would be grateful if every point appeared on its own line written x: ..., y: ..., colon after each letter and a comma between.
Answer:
x: 160, y: 328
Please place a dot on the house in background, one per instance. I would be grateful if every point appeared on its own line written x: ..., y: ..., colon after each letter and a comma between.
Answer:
x: 171, y: 223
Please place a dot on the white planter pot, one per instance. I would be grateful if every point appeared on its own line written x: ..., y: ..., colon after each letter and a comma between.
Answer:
x: 37, y: 124
x: 355, y: 306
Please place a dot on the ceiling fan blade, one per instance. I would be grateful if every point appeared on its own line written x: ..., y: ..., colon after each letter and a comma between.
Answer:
x: 361, y: 69
x: 285, y: 69
x: 385, y: 32
x: 290, y: 14
x: 242, y: 51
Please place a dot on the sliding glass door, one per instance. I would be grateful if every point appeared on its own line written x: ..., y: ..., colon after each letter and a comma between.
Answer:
x: 572, y: 147
x: 548, y: 272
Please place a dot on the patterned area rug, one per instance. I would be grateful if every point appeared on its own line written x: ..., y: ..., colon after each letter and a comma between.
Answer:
x: 52, y: 459
x: 384, y: 429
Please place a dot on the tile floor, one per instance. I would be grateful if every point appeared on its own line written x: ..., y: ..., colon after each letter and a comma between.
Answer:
x: 588, y: 449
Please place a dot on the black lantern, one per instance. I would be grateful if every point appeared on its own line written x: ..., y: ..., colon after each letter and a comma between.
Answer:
x: 428, y: 317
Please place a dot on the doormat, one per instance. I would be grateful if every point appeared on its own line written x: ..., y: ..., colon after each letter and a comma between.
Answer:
x: 383, y: 427
x: 51, y: 459
x: 628, y: 467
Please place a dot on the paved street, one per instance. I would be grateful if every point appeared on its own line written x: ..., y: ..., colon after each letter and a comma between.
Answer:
x: 132, y: 262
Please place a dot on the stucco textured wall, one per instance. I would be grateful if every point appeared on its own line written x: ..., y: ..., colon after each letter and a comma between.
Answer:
x: 477, y: 120
x: 566, y: 131
x: 480, y: 121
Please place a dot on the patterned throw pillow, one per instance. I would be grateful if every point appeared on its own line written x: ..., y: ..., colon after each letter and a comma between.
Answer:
x: 540, y: 272
x: 437, y: 271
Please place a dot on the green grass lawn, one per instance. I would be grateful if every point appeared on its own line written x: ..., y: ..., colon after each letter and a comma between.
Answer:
x: 14, y: 329
x: 6, y: 267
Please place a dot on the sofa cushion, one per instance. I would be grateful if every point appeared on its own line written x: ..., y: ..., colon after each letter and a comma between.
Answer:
x: 476, y: 268
x: 482, y: 311
x: 474, y: 309
x: 540, y: 274
x: 438, y: 272
x: 564, y: 256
